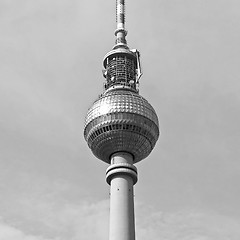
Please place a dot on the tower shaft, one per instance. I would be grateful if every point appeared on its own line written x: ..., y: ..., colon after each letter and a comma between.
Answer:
x: 122, y: 175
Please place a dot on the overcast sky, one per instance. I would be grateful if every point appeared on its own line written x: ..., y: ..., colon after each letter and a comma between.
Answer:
x: 51, y: 186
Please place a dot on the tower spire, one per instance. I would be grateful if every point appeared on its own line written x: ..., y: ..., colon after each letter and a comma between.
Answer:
x: 120, y: 32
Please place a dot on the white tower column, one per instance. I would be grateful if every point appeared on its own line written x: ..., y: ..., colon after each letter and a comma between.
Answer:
x: 121, y: 175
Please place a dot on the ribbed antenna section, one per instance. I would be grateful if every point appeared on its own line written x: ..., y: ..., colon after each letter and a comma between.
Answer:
x: 120, y: 13
x: 120, y: 32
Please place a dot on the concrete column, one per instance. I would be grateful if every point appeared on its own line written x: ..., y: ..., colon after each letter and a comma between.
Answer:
x: 122, y: 175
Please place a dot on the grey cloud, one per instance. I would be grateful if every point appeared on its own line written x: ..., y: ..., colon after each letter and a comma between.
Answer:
x: 8, y: 232
x: 197, y: 224
x: 50, y: 72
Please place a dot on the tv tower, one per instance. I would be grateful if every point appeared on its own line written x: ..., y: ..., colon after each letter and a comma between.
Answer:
x: 121, y: 128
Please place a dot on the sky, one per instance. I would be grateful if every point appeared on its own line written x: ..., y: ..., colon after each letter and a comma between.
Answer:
x: 51, y: 52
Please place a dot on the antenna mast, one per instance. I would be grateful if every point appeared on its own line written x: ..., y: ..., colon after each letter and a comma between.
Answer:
x: 120, y: 32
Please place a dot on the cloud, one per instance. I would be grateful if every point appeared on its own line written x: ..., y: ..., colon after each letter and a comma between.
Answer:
x: 33, y: 205
x: 185, y: 225
x: 8, y: 232
x: 51, y: 218
x: 49, y: 49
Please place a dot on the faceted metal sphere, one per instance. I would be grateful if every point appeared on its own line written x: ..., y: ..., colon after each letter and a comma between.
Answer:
x: 121, y: 121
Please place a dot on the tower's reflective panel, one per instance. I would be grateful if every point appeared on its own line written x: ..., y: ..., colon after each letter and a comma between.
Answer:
x: 121, y: 121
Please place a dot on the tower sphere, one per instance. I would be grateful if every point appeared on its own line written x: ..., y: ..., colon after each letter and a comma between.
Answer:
x: 121, y: 120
